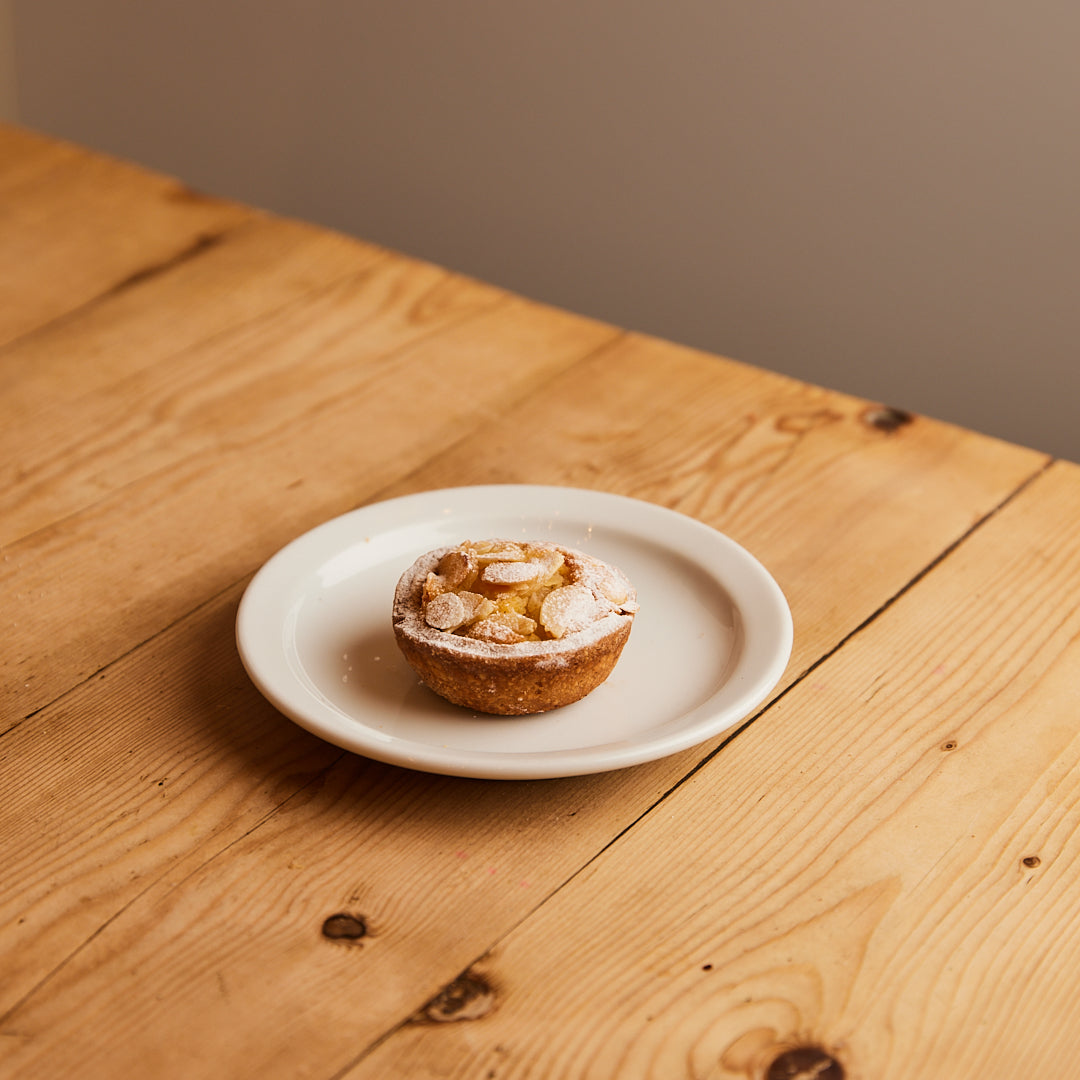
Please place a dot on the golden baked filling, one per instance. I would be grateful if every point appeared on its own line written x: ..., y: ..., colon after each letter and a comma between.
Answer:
x: 507, y: 592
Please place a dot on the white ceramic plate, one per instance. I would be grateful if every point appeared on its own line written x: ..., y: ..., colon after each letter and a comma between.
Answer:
x: 712, y: 638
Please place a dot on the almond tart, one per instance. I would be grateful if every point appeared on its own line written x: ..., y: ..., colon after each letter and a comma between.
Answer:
x: 512, y: 627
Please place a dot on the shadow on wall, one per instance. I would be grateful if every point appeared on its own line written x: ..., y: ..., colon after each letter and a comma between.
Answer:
x: 880, y: 199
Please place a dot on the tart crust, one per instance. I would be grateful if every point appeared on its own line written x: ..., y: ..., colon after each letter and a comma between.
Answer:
x: 522, y: 677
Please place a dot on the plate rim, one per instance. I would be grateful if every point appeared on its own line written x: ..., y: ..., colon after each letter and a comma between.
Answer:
x: 774, y: 613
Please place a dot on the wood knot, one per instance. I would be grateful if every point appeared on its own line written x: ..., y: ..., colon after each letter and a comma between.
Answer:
x: 344, y: 927
x: 885, y: 418
x: 1031, y: 861
x: 805, y: 1063
x: 949, y: 744
x: 469, y: 997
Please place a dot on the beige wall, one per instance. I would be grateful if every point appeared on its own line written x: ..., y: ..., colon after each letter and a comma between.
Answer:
x: 878, y: 197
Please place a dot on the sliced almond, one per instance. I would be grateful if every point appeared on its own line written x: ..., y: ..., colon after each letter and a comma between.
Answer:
x: 476, y: 606
x: 612, y: 587
x: 510, y: 573
x: 433, y: 586
x: 504, y: 552
x: 520, y: 624
x: 445, y: 612
x: 454, y: 568
x: 568, y: 609
x: 491, y: 629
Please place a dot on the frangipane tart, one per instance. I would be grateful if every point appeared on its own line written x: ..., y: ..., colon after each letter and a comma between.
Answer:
x: 512, y: 627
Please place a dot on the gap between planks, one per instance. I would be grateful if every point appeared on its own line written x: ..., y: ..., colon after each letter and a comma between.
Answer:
x: 374, y: 1045
x: 393, y: 1029
x: 598, y: 852
x: 518, y: 400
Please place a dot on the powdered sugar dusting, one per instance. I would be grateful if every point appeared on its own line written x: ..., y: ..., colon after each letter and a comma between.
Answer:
x: 510, y: 573
x: 445, y: 612
x: 604, y: 617
x: 570, y: 609
x: 602, y: 580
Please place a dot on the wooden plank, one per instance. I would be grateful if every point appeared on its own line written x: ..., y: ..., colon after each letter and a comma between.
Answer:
x: 238, y: 445
x: 132, y: 784
x: 219, y: 939
x: 894, y: 845
x: 250, y: 272
x: 877, y: 494
x: 171, y: 783
x: 132, y: 385
x: 77, y: 224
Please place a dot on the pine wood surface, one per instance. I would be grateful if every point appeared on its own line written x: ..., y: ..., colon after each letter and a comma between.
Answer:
x: 76, y: 225
x: 172, y: 845
x: 884, y: 865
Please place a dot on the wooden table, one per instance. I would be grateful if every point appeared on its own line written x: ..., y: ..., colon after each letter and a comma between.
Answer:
x: 878, y: 877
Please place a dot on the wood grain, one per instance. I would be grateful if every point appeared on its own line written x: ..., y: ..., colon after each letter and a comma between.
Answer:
x: 239, y: 445
x: 842, y: 501
x: 169, y: 400
x: 884, y: 866
x: 150, y: 857
x: 194, y: 384
x: 196, y: 883
x: 52, y: 379
x: 77, y: 225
